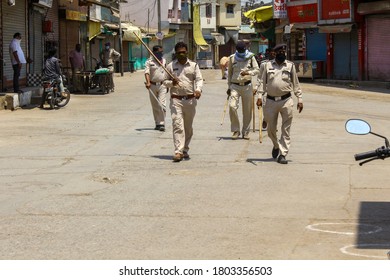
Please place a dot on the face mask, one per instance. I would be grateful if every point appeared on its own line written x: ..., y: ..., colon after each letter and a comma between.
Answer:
x: 107, y: 47
x: 280, y: 57
x: 159, y: 55
x: 181, y: 56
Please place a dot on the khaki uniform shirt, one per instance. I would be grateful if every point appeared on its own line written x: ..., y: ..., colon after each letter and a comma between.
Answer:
x: 235, y: 68
x: 109, y: 56
x: 278, y: 80
x: 155, y: 70
x: 189, y: 76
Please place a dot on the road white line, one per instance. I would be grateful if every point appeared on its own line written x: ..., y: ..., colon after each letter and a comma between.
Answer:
x: 346, y: 249
x: 370, y: 228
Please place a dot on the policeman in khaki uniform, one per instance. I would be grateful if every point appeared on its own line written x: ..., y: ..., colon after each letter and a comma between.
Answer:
x: 270, y: 55
x: 278, y: 82
x: 185, y: 90
x: 155, y: 75
x: 108, y: 56
x: 242, y: 66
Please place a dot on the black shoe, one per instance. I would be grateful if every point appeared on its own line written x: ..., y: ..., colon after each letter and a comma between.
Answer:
x: 282, y: 159
x: 162, y: 128
x: 157, y: 127
x: 275, y: 152
x: 264, y: 126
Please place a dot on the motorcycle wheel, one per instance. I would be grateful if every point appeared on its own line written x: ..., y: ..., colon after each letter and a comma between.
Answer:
x: 51, y: 99
x: 63, y: 100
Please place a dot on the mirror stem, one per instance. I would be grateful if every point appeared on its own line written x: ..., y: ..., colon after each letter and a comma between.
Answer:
x: 386, y: 140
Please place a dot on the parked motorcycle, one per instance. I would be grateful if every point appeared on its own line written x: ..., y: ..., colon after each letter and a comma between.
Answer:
x: 53, y: 95
x: 361, y: 127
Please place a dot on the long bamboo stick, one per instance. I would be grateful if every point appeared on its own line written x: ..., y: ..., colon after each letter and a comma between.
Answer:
x: 147, y: 48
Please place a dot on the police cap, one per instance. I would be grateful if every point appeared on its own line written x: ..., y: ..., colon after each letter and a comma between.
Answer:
x: 280, y: 47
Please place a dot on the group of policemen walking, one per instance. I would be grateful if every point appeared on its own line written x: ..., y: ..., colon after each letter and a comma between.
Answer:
x: 276, y: 82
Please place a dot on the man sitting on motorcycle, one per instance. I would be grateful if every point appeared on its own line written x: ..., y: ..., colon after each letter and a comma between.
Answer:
x: 51, y: 71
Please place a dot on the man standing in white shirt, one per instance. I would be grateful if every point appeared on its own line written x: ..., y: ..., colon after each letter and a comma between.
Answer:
x: 17, y: 59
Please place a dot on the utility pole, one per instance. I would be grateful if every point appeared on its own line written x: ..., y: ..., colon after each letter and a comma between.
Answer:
x: 120, y: 40
x: 159, y: 19
x: 191, y: 32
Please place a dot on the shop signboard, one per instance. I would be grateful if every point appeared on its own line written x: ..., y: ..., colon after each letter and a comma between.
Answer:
x: 335, y: 11
x: 280, y: 8
x: 303, y: 13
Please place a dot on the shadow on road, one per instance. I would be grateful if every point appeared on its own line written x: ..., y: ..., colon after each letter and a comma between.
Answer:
x: 254, y: 160
x: 164, y: 157
x: 374, y: 225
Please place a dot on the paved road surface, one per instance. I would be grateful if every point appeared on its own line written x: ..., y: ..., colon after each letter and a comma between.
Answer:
x: 95, y: 181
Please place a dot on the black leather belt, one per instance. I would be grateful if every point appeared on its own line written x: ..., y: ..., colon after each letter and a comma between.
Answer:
x: 278, y: 98
x: 242, y: 84
x: 156, y: 84
x: 182, y: 97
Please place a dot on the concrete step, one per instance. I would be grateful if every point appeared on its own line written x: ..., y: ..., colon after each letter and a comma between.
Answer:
x: 12, y: 101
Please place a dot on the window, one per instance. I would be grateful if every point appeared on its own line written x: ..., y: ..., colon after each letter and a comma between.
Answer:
x: 209, y: 10
x: 230, y: 8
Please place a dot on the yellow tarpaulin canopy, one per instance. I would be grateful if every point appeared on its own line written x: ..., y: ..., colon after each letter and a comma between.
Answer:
x: 260, y: 14
x: 94, y: 29
x: 128, y: 32
x: 198, y: 36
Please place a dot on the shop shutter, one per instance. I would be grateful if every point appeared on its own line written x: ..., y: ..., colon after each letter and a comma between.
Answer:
x: 1, y: 52
x: 378, y: 51
x: 315, y: 45
x: 14, y: 20
x: 36, y: 43
x: 346, y: 56
x: 69, y: 37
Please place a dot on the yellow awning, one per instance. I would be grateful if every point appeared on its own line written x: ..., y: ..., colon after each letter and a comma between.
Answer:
x: 198, y: 36
x: 94, y: 29
x: 260, y: 14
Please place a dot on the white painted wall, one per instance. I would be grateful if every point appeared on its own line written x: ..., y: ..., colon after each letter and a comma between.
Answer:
x: 136, y: 11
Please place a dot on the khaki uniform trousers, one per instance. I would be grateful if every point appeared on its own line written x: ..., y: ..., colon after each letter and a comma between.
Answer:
x: 246, y: 93
x: 272, y: 109
x: 182, y: 113
x: 111, y: 69
x: 160, y: 92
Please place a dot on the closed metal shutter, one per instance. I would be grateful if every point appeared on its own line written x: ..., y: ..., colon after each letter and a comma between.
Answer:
x: 14, y: 20
x: 315, y: 45
x: 378, y: 51
x: 346, y: 56
x: 69, y: 37
x: 36, y: 43
x: 1, y: 51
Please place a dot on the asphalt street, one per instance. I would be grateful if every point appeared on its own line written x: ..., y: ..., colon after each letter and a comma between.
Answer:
x: 94, y: 180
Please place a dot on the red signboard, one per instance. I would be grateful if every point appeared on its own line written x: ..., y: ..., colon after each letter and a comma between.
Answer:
x: 303, y: 13
x: 335, y: 9
x: 280, y: 8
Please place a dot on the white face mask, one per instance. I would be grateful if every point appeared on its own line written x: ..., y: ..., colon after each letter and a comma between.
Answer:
x: 107, y: 47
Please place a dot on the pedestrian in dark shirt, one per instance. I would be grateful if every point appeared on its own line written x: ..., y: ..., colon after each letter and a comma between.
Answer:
x: 52, y: 71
